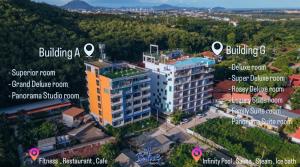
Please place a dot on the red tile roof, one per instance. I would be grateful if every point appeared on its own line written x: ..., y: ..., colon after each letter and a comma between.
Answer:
x: 74, y: 111
x: 209, y: 54
x: 295, y: 80
x: 45, y: 109
x: 295, y: 77
x: 233, y: 97
x: 296, y: 65
x: 296, y: 134
x: 263, y: 95
x: 284, y: 96
x: 296, y: 111
x: 224, y: 86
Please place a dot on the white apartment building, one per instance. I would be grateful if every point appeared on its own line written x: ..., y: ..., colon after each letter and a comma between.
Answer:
x: 179, y: 81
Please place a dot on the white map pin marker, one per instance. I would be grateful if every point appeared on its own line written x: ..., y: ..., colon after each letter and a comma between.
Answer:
x: 89, y: 52
x: 219, y: 48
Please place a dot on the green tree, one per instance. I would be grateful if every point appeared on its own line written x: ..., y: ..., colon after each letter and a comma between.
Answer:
x: 295, y: 99
x: 109, y: 152
x: 45, y: 130
x: 231, y: 38
x: 177, y: 116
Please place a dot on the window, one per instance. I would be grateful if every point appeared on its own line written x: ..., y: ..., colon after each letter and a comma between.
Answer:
x: 99, y: 98
x: 136, y: 102
x: 137, y: 109
x: 97, y: 82
x: 116, y: 115
x: 106, y: 91
x: 98, y: 90
x: 88, y: 68
x: 170, y: 88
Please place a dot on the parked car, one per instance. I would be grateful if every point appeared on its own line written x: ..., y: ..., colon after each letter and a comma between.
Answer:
x: 184, y: 121
x: 200, y: 115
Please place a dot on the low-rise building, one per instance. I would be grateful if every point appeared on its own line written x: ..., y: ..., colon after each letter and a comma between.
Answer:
x: 72, y: 116
x: 159, y: 144
x: 127, y: 158
x: 284, y: 97
x: 47, y: 144
x: 295, y: 137
x: 294, y: 80
x: 46, y: 109
x: 253, y: 116
x: 223, y: 93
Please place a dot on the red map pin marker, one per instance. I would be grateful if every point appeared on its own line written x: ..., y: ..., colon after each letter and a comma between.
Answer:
x: 34, y: 153
x: 197, y: 153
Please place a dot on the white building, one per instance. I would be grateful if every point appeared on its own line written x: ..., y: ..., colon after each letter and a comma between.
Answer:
x: 179, y: 81
x: 72, y: 116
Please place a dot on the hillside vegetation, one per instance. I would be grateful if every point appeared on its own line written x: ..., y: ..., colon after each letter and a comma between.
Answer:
x: 26, y: 26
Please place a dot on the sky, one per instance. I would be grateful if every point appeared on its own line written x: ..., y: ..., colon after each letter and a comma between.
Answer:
x: 189, y: 3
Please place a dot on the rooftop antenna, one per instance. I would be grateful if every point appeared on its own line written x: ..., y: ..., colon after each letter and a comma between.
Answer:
x: 102, y: 54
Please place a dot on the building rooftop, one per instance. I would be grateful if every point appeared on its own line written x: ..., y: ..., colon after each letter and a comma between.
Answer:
x: 116, y: 70
x: 194, y: 61
x: 209, y: 54
x: 122, y: 72
x: 73, y: 112
x: 177, y: 58
x: 259, y: 114
x: 99, y: 64
x: 127, y: 158
x: 224, y: 86
x: 47, y: 142
x: 296, y: 134
x: 287, y: 113
x: 34, y: 106
x: 284, y: 96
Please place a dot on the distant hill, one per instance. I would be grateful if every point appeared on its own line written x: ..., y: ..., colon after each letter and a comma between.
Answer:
x: 219, y: 9
x: 78, y: 5
x: 165, y: 7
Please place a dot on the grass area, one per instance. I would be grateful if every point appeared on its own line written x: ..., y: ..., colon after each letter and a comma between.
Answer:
x: 122, y: 73
x: 251, y: 143
x: 181, y: 156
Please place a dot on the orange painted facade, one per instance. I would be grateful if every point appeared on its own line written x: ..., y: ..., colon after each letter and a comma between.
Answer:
x: 92, y: 92
x: 105, y: 99
x: 118, y: 106
x: 99, y: 96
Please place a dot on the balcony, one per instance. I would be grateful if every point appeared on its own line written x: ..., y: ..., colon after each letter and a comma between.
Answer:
x: 145, y: 88
x: 146, y: 95
x: 116, y: 94
x: 141, y: 81
x: 117, y: 110
x: 119, y: 117
x: 117, y: 102
x: 182, y: 82
x: 137, y: 97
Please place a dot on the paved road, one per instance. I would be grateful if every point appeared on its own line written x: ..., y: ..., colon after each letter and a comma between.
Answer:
x: 178, y: 133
